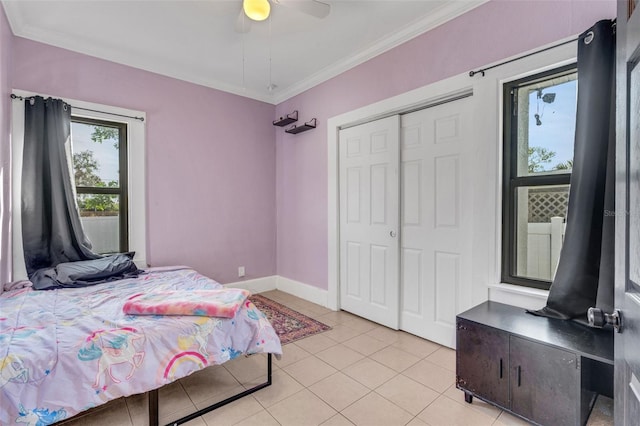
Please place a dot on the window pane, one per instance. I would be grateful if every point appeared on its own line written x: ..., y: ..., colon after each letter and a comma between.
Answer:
x: 100, y: 217
x: 96, y: 154
x: 540, y: 217
x: 546, y: 125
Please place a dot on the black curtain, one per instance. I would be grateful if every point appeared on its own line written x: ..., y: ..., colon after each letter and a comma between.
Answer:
x: 584, y: 277
x: 51, y: 228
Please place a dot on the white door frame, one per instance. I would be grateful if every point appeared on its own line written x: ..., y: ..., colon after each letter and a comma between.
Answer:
x: 442, y: 91
x: 487, y: 110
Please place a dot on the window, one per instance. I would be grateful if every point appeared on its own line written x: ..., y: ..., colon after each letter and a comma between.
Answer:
x: 539, y: 129
x: 136, y: 188
x: 99, y: 151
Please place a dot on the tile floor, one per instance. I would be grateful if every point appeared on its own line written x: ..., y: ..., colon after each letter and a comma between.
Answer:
x: 358, y: 373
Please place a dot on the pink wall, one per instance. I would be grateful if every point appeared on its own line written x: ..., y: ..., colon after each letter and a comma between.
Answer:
x: 210, y: 158
x: 6, y: 46
x: 216, y: 171
x: 493, y: 31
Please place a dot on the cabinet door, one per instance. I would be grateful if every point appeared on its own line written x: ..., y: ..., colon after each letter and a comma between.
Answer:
x: 544, y: 383
x: 482, y: 358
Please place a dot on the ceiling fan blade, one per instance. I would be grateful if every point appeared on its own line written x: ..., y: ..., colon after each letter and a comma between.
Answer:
x: 310, y: 7
x: 243, y: 23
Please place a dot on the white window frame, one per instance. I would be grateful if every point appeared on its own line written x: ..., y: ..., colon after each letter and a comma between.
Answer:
x: 136, y: 168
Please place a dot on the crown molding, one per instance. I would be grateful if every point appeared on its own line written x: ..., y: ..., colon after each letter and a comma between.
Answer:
x: 13, y: 14
x: 439, y: 16
x: 84, y: 46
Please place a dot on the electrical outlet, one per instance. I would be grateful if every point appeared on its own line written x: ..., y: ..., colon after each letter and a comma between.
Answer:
x: 240, y: 271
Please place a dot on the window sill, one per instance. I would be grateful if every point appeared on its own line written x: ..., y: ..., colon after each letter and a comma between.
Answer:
x: 524, y: 297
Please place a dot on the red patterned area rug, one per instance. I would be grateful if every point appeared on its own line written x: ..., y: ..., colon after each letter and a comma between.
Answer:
x: 289, y: 324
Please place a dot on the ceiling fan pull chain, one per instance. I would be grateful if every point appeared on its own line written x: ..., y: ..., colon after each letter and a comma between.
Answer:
x: 243, y: 38
x: 271, y: 85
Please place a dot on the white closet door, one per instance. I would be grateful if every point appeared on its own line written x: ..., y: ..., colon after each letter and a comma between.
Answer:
x: 369, y: 218
x: 436, y: 218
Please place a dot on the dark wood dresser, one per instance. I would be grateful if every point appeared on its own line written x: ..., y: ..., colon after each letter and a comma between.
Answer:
x: 544, y: 370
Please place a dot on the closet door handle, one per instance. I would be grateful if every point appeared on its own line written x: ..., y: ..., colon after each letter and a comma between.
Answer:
x: 519, y: 375
x: 392, y: 234
x: 501, y: 368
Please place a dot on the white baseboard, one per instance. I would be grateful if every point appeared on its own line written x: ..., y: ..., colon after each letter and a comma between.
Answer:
x: 276, y: 282
x: 524, y: 297
x: 257, y: 285
x: 304, y: 291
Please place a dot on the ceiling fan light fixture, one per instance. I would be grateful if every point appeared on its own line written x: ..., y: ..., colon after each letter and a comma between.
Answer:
x: 258, y: 10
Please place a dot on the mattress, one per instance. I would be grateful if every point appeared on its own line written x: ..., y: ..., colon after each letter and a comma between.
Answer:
x: 67, y: 350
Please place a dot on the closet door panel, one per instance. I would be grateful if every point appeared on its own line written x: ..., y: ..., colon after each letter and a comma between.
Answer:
x: 369, y: 215
x: 436, y: 152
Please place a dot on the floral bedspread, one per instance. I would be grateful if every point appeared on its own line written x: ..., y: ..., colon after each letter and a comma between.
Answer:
x: 67, y: 350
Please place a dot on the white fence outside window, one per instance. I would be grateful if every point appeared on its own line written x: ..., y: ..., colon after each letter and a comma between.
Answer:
x: 103, y: 232
x: 544, y: 243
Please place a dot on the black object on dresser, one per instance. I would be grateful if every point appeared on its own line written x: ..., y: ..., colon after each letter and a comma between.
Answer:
x: 544, y: 370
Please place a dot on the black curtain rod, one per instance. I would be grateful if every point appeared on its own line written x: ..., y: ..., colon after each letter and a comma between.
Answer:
x: 482, y: 70
x: 22, y: 98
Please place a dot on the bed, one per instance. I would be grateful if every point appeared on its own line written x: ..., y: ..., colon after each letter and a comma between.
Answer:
x: 80, y: 341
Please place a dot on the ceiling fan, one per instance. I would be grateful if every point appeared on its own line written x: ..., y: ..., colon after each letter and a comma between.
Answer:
x: 258, y: 10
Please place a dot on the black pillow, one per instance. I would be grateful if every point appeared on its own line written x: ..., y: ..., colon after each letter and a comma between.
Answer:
x: 95, y: 270
x: 86, y: 272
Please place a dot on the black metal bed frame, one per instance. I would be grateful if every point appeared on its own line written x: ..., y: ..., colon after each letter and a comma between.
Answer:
x: 153, y: 401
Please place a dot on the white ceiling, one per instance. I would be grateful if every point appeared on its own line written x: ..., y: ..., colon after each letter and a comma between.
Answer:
x: 196, y: 40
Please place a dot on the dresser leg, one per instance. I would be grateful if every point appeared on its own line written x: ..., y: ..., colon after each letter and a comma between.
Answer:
x: 468, y: 397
